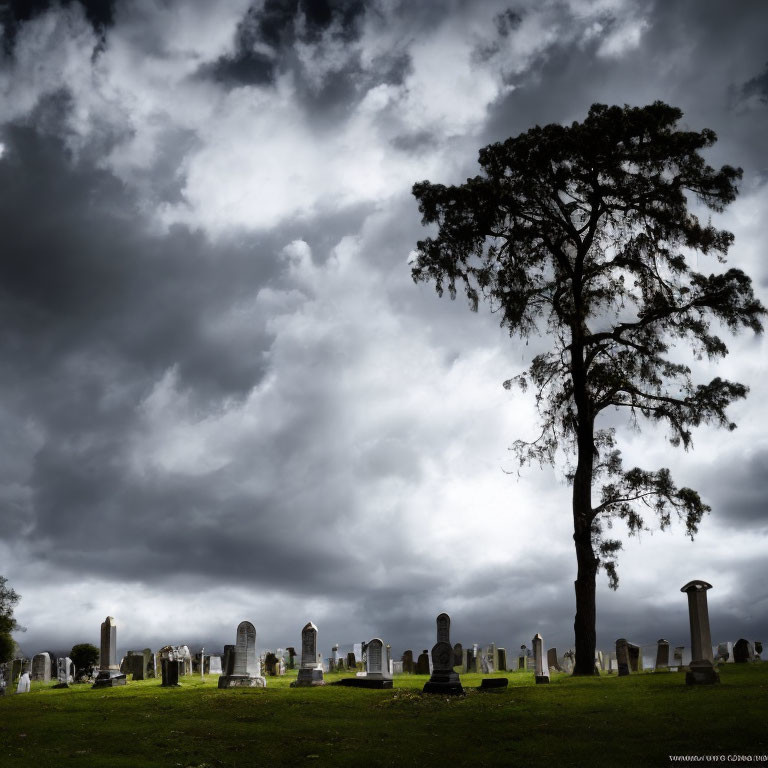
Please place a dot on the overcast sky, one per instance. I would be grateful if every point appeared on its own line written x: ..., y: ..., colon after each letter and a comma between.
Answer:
x: 222, y: 397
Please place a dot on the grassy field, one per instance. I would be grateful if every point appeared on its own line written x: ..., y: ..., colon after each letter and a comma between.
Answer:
x: 632, y: 721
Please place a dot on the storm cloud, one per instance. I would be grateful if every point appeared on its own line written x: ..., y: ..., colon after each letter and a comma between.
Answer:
x: 224, y: 398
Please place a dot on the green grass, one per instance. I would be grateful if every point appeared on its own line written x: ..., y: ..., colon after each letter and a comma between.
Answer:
x: 608, y: 721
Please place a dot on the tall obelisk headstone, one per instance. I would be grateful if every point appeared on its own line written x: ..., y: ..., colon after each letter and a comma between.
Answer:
x: 243, y: 669
x: 541, y: 670
x: 310, y: 671
x: 701, y: 670
x: 109, y: 670
x: 443, y: 678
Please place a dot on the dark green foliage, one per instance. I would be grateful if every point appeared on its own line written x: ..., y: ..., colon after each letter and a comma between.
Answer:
x: 7, y: 647
x: 583, y: 234
x: 84, y: 656
x: 8, y: 600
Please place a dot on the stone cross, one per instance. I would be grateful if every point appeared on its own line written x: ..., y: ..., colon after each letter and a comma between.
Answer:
x: 541, y: 670
x: 701, y: 670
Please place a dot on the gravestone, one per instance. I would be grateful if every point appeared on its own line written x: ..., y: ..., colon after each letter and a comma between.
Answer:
x: 442, y: 678
x: 24, y: 683
x: 41, y: 668
x: 458, y: 653
x: 214, y: 665
x: 569, y: 661
x: 134, y: 664
x: 64, y: 672
x: 622, y: 656
x: 291, y: 656
x: 677, y: 656
x: 701, y: 670
x: 376, y: 670
x: 742, y: 652
x: 662, y: 656
x: 540, y: 668
x: 725, y: 652
x: 552, y: 662
x: 635, y: 657
x: 397, y: 667
x: 310, y: 672
x: 109, y: 670
x: 170, y: 668
x: 243, y: 669
x: 502, y: 659
x: 15, y: 670
x: 408, y: 662
x: 351, y: 660
x: 390, y: 666
x: 422, y: 663
x: 271, y: 664
x: 758, y: 649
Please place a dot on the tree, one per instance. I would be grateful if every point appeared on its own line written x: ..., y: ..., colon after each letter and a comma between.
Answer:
x: 84, y: 656
x: 8, y: 599
x: 584, y: 233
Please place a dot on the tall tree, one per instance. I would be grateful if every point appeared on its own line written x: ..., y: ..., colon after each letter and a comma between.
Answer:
x: 8, y: 600
x: 584, y: 233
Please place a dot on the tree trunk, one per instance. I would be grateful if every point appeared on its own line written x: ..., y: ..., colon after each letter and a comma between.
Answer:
x: 586, y: 574
x: 586, y: 615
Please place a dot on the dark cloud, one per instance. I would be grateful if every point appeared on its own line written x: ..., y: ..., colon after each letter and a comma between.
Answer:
x: 757, y: 86
x: 278, y: 24
x: 14, y: 13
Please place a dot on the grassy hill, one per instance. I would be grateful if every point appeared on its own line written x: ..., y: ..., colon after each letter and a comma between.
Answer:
x: 615, y: 722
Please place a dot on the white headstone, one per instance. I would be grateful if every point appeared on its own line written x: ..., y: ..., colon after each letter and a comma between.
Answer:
x: 24, y: 684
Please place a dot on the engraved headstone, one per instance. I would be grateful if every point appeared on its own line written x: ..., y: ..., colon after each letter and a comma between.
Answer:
x: 377, y: 673
x: 41, y: 668
x: 408, y: 662
x: 310, y: 672
x: 214, y: 665
x: 109, y: 670
x: 701, y: 670
x: 502, y: 653
x: 552, y: 661
x: 443, y: 679
x: 540, y: 670
x: 242, y: 668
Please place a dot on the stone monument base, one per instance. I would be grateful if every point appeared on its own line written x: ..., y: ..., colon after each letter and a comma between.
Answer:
x: 379, y: 683
x: 493, y: 683
x: 242, y: 681
x: 308, y: 677
x: 109, y: 678
x: 541, y: 679
x: 444, y: 682
x: 701, y: 673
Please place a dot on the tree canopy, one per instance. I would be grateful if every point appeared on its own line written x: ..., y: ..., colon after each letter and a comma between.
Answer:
x: 584, y: 234
x: 8, y: 600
